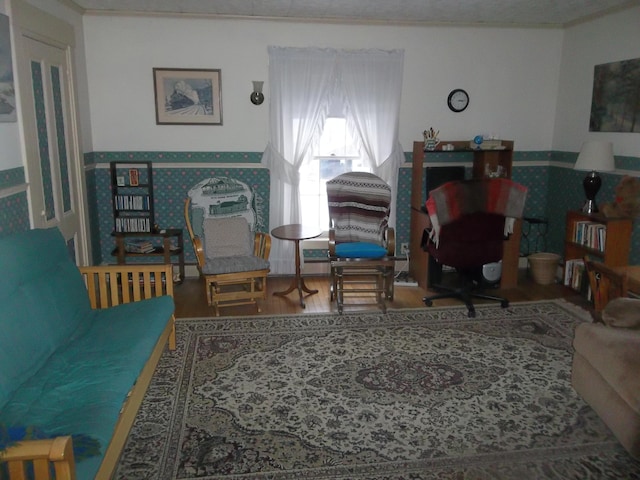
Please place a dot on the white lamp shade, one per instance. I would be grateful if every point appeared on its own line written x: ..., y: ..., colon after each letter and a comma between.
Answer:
x: 596, y: 155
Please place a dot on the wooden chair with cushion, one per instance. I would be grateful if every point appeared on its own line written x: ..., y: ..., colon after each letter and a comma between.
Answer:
x: 233, y: 261
x: 361, y: 244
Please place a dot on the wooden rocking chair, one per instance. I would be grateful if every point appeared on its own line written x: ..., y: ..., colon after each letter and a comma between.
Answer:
x: 234, y: 266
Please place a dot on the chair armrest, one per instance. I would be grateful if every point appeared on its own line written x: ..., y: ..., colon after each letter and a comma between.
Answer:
x: 56, y: 452
x: 110, y: 285
x: 332, y: 242
x: 199, y: 249
x: 390, y: 240
x: 262, y: 245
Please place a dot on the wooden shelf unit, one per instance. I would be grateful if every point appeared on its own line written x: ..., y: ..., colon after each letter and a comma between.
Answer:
x: 419, y: 259
x: 166, y: 251
x: 617, y: 239
x: 132, y: 196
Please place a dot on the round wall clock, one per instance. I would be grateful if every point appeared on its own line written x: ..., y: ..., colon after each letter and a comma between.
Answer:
x: 458, y: 100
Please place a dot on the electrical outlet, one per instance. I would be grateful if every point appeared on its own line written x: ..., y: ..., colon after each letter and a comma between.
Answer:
x: 404, y: 248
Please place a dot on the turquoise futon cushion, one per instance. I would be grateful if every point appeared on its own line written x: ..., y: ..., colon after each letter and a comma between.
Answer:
x: 81, y: 388
x: 44, y: 302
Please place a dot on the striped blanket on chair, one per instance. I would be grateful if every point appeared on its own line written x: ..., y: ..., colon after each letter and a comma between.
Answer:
x: 358, y: 207
x: 454, y: 199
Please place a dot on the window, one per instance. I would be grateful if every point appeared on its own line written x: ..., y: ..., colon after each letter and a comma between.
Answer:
x: 337, y: 152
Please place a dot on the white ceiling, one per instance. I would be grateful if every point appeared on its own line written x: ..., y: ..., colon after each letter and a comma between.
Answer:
x: 493, y: 12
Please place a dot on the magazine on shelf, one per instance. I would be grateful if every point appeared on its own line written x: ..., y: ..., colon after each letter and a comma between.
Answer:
x: 138, y: 245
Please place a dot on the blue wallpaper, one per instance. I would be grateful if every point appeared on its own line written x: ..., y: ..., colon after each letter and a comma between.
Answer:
x: 554, y: 188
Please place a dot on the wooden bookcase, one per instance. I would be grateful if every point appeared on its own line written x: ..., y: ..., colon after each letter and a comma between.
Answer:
x: 168, y: 244
x: 483, y: 161
x: 132, y: 197
x: 615, y: 251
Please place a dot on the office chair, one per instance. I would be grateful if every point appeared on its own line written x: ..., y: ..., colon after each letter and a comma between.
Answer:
x: 361, y: 244
x: 469, y: 222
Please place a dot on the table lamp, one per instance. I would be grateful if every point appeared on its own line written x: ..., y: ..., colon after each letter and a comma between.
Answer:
x: 595, y: 156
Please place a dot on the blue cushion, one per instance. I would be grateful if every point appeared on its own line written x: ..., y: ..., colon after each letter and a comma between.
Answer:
x: 234, y: 264
x: 360, y: 250
x: 44, y: 302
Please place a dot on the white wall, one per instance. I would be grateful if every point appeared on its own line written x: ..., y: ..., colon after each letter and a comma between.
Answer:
x: 609, y: 39
x: 511, y: 75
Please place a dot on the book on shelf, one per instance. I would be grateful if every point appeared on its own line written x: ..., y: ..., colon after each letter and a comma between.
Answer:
x: 575, y: 276
x: 138, y: 245
x: 133, y: 224
x: 132, y: 202
x: 590, y: 234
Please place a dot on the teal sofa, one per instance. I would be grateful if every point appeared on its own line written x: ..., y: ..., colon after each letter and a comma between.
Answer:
x: 73, y: 344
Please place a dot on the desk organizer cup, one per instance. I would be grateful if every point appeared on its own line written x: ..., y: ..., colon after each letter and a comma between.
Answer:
x: 431, y: 144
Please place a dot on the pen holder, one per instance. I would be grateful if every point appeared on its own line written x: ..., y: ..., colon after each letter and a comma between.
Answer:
x: 430, y: 144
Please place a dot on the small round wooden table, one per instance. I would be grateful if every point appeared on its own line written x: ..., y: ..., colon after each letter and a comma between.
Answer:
x: 296, y: 233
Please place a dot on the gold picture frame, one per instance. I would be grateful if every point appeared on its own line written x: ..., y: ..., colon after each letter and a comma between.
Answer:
x: 188, y: 96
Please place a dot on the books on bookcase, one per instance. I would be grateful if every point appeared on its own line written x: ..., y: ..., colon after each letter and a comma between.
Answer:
x: 590, y: 234
x: 575, y: 276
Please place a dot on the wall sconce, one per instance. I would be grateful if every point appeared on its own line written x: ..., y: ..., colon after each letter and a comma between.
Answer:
x: 256, y: 96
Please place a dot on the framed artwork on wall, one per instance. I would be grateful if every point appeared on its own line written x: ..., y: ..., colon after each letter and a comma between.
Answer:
x: 187, y: 96
x: 615, y: 103
x: 7, y: 91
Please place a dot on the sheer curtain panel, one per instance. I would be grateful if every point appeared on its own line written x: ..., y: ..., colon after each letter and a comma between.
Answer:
x: 303, y: 83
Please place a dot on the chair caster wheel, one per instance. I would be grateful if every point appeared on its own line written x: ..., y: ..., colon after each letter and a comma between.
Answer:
x: 427, y: 302
x: 472, y: 314
x: 504, y: 304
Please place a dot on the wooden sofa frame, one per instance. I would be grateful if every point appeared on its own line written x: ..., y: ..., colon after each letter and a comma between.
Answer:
x: 139, y: 283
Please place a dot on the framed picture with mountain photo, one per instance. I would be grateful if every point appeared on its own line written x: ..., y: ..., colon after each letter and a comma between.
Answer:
x: 615, y: 103
x: 188, y: 96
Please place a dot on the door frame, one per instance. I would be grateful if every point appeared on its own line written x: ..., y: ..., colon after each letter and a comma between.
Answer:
x: 35, y: 24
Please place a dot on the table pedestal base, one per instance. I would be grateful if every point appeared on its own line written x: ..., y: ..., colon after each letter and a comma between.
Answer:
x: 297, y: 284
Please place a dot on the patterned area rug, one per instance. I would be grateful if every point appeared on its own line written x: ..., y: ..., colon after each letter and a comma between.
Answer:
x: 414, y: 394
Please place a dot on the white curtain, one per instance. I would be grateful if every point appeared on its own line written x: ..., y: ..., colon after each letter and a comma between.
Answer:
x: 303, y: 82
x: 371, y: 81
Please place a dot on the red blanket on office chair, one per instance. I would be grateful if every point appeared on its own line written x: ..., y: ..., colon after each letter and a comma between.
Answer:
x: 452, y: 200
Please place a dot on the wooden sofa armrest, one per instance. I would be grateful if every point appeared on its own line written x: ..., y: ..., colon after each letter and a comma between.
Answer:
x: 42, y: 454
x: 132, y: 283
x: 111, y: 285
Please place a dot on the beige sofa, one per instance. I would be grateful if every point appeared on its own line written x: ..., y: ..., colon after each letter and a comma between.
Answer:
x: 606, y: 369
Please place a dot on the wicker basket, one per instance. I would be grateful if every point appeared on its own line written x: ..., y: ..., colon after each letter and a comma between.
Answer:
x: 544, y: 267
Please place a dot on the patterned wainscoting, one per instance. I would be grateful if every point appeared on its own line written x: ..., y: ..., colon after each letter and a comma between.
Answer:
x: 14, y: 206
x: 554, y: 188
x: 176, y: 172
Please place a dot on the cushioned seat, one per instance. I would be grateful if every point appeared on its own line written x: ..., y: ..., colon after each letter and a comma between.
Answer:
x: 470, y: 219
x: 234, y: 264
x: 67, y: 396
x: 361, y: 244
x: 606, y: 369
x: 232, y: 260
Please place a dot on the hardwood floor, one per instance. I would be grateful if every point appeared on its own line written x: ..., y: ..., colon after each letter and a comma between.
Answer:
x: 191, y: 302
